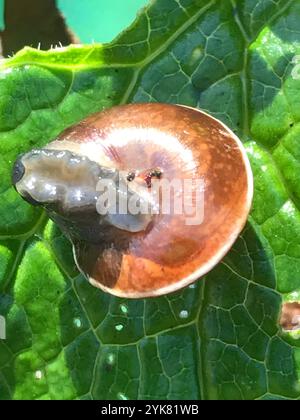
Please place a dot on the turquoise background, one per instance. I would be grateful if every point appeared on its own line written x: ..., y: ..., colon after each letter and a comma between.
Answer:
x: 95, y: 20
x: 1, y: 15
x: 99, y: 20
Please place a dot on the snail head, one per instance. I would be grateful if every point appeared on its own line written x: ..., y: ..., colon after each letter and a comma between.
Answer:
x: 72, y: 188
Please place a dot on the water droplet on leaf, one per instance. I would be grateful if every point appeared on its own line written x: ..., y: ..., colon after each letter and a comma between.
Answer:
x: 122, y: 396
x: 38, y: 375
x: 124, y: 308
x: 119, y: 327
x: 183, y: 314
x: 111, y: 359
x: 77, y: 323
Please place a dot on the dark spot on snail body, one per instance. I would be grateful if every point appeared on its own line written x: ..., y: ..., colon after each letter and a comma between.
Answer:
x: 153, y: 173
x: 139, y: 254
x: 131, y: 176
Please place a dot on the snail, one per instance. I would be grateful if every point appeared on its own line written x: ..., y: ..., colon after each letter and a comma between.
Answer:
x: 152, y: 196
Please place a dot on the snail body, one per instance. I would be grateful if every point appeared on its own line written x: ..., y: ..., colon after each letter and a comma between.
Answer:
x: 129, y: 150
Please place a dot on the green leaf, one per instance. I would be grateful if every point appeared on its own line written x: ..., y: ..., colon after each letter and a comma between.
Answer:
x: 220, y: 338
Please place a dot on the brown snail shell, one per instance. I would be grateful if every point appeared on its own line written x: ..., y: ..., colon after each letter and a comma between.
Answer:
x: 142, y: 255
